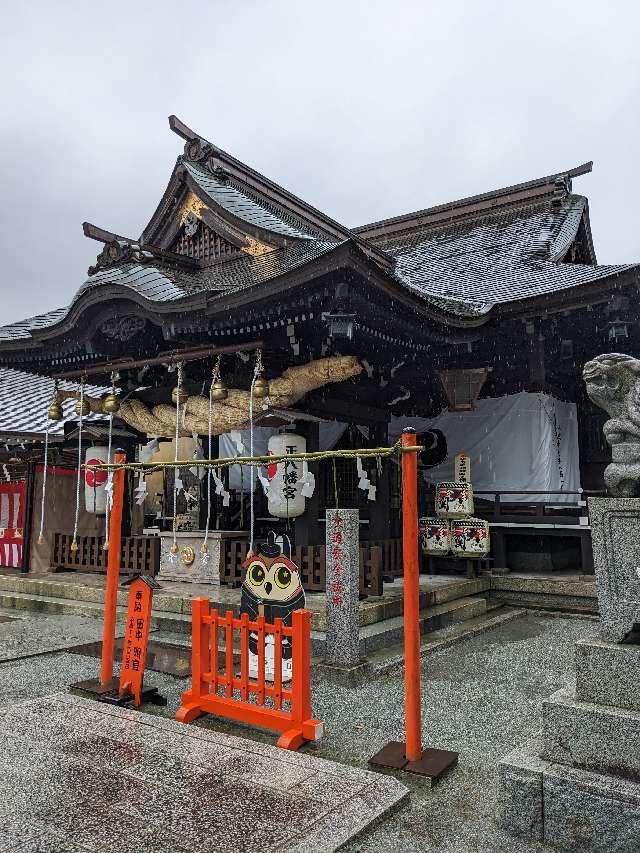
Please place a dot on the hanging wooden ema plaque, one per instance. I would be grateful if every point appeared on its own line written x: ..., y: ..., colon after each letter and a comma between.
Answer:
x: 134, y: 648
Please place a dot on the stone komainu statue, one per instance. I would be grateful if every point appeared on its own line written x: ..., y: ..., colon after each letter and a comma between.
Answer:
x: 613, y: 383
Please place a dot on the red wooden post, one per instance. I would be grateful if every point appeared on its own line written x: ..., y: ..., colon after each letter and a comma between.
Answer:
x: 113, y: 571
x: 228, y: 690
x: 410, y: 755
x: 192, y: 700
x: 277, y: 663
x: 244, y: 656
x: 301, y: 674
x: 261, y: 666
x: 213, y: 652
x: 411, y: 599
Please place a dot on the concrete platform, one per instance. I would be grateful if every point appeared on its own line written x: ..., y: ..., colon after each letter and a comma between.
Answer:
x: 76, y: 775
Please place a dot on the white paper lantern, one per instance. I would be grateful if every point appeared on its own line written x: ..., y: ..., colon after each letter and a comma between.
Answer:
x: 470, y: 537
x: 434, y: 536
x: 95, y: 498
x: 285, y: 498
x: 454, y: 500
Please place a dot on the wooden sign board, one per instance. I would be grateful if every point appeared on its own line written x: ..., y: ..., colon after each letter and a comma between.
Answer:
x: 134, y: 650
x: 462, y: 468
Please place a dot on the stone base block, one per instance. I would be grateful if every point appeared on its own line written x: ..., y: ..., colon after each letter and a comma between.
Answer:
x: 608, y: 674
x: 519, y: 807
x: 594, y: 737
x: 567, y: 808
x: 346, y: 676
x: 616, y: 557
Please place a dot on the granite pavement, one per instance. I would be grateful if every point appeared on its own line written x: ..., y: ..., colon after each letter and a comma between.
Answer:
x: 482, y: 697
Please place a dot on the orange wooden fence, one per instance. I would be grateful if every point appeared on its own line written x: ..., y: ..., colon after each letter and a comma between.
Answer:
x: 217, y: 689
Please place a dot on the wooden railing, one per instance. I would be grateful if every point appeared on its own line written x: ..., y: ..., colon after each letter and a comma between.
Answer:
x: 312, y: 562
x: 391, y: 556
x: 138, y: 554
x: 502, y: 506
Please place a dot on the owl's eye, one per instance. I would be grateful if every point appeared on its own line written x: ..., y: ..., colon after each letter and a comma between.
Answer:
x: 256, y: 574
x: 282, y: 576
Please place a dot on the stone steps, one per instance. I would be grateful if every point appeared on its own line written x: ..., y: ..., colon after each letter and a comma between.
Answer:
x: 381, y: 619
x: 390, y: 659
x: 432, y: 618
x: 571, y: 595
x: 172, y: 609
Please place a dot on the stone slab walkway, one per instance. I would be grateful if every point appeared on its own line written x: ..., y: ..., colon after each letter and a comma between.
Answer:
x: 27, y: 634
x: 79, y: 776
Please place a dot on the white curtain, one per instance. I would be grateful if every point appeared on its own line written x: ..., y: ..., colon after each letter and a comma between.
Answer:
x: 521, y: 442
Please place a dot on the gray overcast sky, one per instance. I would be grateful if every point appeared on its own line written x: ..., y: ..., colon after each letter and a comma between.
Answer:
x: 365, y: 109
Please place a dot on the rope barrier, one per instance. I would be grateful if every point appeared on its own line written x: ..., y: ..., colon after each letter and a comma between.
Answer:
x: 257, y: 461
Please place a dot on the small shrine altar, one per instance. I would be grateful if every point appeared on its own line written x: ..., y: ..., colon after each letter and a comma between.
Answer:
x: 189, y: 564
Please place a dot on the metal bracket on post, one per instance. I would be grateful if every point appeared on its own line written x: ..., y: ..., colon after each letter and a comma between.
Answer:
x: 410, y: 756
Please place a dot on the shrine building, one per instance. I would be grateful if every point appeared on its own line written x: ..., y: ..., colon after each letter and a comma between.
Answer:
x: 470, y: 321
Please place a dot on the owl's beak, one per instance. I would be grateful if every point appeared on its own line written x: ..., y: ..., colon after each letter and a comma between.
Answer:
x: 268, y: 587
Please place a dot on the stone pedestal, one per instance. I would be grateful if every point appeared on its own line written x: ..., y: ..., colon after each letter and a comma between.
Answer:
x: 578, y: 785
x: 615, y: 523
x: 343, y: 588
x: 181, y: 567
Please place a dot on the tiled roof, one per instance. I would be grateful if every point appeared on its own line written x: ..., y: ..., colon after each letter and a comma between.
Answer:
x: 463, y: 257
x: 224, y: 276
x: 144, y: 279
x: 164, y: 285
x: 25, y: 398
x: 22, y: 329
x: 242, y: 204
x: 468, y: 266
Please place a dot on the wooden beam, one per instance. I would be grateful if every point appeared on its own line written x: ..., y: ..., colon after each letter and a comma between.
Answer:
x: 94, y: 232
x: 181, y: 129
x: 325, y: 407
x: 170, y: 357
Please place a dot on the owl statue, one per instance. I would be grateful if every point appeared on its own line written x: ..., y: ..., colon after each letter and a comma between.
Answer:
x: 271, y: 587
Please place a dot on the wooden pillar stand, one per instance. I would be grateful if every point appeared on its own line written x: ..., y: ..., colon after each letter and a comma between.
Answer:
x: 409, y: 756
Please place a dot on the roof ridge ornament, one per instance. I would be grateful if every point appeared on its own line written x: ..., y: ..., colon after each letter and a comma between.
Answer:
x: 117, y: 252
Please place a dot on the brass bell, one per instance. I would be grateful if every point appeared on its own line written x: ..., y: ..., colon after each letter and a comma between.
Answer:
x: 110, y: 404
x: 219, y: 391
x: 55, y: 412
x: 74, y: 546
x: 179, y: 394
x: 83, y: 408
x: 260, y: 387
